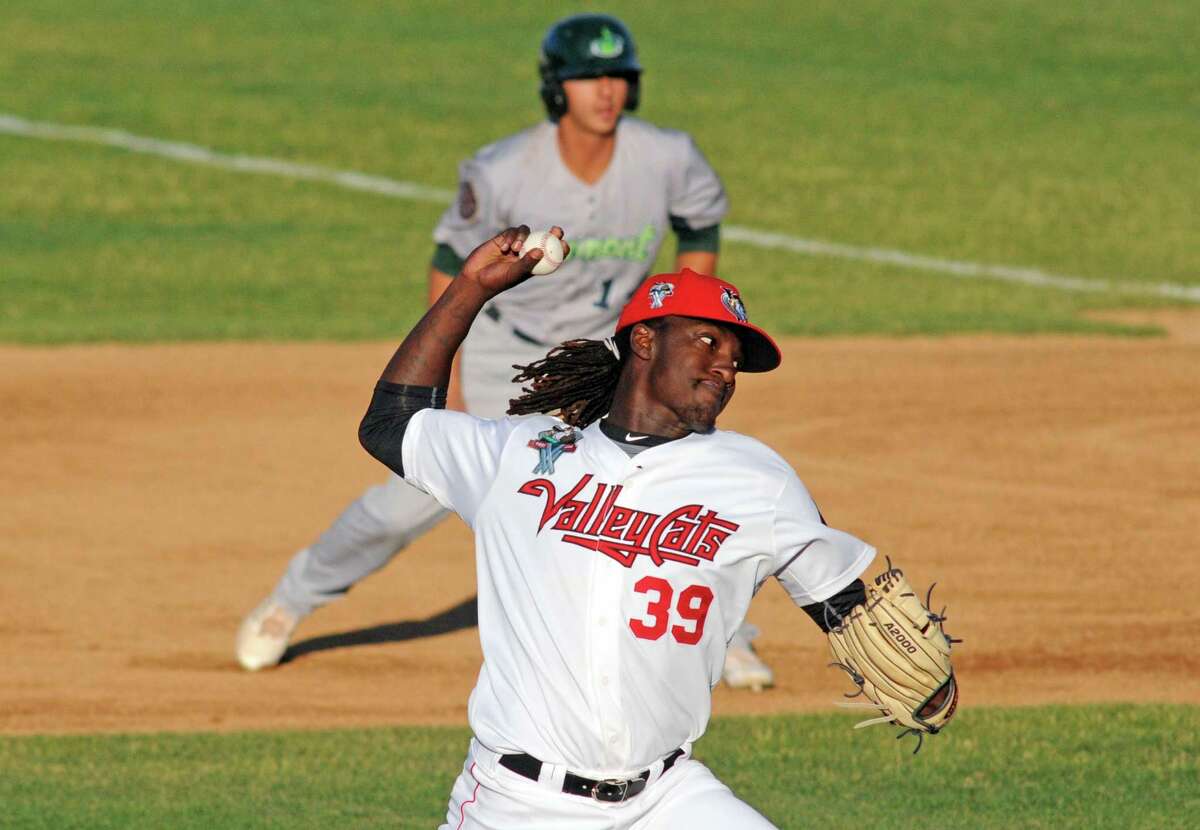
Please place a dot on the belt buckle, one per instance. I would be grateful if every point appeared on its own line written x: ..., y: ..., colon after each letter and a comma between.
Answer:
x: 610, y: 789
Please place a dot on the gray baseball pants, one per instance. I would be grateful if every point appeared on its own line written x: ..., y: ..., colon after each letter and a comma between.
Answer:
x: 390, y: 516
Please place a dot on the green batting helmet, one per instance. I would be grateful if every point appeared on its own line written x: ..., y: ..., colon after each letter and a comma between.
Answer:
x: 586, y: 46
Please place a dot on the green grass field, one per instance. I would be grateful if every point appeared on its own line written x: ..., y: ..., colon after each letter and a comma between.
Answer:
x: 1056, y: 136
x: 1086, y: 767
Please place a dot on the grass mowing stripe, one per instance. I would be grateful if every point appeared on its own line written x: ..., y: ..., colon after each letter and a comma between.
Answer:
x: 1090, y: 766
x: 354, y: 180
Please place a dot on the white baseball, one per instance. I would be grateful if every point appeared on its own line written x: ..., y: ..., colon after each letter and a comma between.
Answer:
x: 552, y: 251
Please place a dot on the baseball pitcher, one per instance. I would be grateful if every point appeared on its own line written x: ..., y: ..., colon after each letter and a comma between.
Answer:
x: 618, y: 545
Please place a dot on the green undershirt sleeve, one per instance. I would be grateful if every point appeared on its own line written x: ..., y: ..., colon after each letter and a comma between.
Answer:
x: 446, y: 261
x: 705, y: 239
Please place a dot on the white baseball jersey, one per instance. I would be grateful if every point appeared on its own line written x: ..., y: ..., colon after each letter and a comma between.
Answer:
x: 656, y: 178
x: 609, y: 585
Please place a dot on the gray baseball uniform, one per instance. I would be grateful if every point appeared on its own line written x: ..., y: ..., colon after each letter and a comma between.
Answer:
x: 657, y: 180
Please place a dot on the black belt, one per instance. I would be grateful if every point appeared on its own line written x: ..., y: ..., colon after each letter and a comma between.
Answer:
x: 494, y: 313
x: 610, y: 789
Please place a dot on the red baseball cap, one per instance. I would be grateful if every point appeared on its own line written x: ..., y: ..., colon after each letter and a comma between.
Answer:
x: 691, y: 294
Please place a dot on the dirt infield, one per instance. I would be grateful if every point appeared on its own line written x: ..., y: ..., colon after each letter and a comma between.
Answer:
x: 150, y: 495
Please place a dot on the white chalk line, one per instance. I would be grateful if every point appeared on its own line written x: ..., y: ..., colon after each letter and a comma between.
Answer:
x: 412, y: 191
x: 195, y: 154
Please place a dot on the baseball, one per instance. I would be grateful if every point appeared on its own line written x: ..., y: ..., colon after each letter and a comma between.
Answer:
x: 552, y: 251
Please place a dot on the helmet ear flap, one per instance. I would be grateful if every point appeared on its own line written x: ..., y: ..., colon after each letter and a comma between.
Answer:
x: 553, y: 95
x: 631, y: 100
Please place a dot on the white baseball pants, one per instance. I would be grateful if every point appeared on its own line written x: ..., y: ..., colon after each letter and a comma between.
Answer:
x: 487, y: 796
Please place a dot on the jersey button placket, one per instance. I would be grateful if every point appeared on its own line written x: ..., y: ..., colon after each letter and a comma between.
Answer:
x: 606, y: 643
x: 606, y: 650
x: 620, y: 743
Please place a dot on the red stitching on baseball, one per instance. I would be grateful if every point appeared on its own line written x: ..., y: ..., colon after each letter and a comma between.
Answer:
x: 462, y: 811
x: 546, y: 255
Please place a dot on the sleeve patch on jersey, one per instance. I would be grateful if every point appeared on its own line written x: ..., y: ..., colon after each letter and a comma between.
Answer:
x: 468, y: 206
x: 552, y: 443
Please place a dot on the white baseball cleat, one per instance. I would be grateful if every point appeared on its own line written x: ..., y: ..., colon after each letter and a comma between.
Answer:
x: 744, y: 669
x: 264, y: 635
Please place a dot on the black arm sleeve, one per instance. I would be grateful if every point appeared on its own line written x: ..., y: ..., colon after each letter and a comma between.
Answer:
x: 828, y: 613
x: 392, y: 406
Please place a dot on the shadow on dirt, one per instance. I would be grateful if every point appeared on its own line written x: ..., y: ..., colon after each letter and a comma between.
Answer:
x: 463, y: 615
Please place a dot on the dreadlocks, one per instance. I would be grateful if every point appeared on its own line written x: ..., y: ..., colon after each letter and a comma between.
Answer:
x: 577, y: 380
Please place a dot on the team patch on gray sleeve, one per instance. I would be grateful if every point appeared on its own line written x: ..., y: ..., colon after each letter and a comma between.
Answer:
x: 468, y: 206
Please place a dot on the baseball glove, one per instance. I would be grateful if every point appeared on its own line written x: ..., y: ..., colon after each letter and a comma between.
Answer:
x: 895, y: 650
